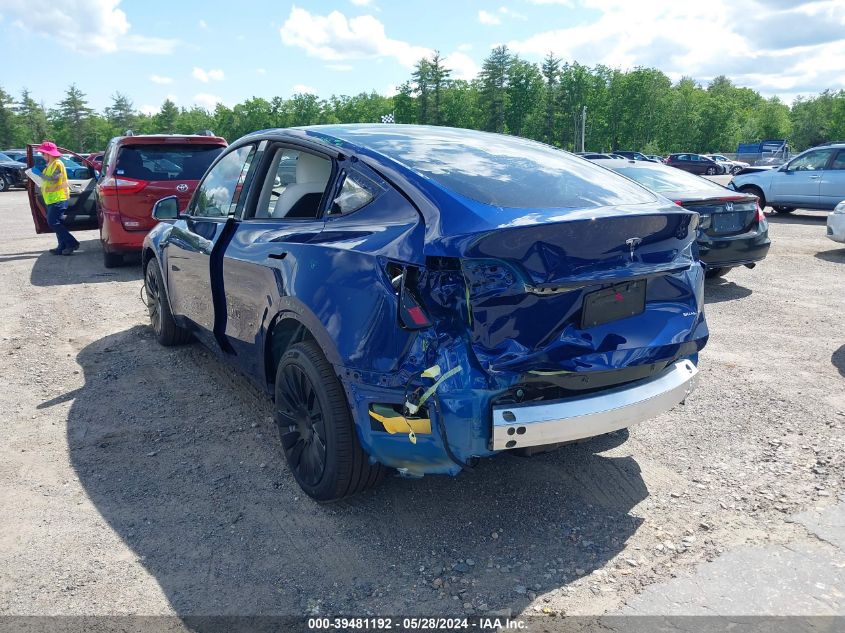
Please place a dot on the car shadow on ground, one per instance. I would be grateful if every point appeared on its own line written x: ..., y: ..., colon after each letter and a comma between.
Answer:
x: 179, y: 454
x: 720, y: 289
x: 838, y: 360
x: 837, y: 255
x: 801, y: 216
x: 84, y: 266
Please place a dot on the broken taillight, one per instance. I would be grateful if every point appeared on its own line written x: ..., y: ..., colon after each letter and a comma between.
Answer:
x: 411, y: 315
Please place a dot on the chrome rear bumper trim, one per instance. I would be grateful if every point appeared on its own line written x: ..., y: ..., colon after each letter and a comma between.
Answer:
x: 537, y: 424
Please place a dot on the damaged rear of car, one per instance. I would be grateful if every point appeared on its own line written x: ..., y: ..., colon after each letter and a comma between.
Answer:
x: 419, y: 297
x: 556, y: 301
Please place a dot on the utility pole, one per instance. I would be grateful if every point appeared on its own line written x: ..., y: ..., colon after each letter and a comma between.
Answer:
x: 583, y: 127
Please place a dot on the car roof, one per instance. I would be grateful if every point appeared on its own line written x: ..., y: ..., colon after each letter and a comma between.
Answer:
x: 145, y: 139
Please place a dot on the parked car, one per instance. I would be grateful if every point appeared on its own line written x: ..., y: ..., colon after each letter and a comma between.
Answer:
x: 815, y: 179
x: 731, y: 166
x: 18, y: 155
x: 11, y: 173
x: 136, y: 171
x: 695, y: 164
x: 634, y: 155
x: 733, y: 230
x: 836, y: 223
x: 420, y: 297
x: 656, y: 158
x: 96, y: 158
x: 592, y: 155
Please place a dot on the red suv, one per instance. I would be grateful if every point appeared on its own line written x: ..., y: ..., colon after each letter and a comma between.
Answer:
x: 136, y: 171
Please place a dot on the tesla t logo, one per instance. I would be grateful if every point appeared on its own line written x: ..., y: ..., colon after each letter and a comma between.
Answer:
x: 729, y: 206
x: 183, y: 188
x: 632, y: 243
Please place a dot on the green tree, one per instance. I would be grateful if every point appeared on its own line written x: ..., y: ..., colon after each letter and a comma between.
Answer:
x: 438, y: 76
x: 167, y: 118
x: 404, y: 108
x: 550, y: 70
x: 72, y: 120
x: 422, y: 88
x: 8, y: 120
x: 121, y: 114
x: 524, y: 106
x: 494, y: 84
x: 32, y: 118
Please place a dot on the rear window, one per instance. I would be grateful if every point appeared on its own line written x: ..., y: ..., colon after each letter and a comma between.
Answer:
x: 499, y: 170
x: 165, y: 161
x: 667, y: 179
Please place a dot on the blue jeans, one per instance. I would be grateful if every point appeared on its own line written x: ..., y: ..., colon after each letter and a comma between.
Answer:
x: 54, y: 219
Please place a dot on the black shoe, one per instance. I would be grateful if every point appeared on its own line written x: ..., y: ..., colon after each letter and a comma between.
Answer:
x: 75, y: 247
x: 68, y: 251
x: 55, y: 251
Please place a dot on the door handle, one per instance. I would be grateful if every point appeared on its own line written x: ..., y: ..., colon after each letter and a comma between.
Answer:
x: 814, y: 177
x: 277, y: 255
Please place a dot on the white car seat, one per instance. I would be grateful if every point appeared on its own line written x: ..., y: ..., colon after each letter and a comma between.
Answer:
x: 300, y: 199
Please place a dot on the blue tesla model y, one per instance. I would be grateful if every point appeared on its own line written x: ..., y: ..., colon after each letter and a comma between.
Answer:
x: 416, y: 298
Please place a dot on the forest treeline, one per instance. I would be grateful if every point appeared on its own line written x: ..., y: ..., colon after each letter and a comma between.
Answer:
x: 640, y: 109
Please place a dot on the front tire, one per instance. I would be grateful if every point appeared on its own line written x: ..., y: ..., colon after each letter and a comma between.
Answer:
x: 4, y: 184
x: 735, y: 170
x: 316, y: 429
x: 167, y: 332
x: 713, y: 273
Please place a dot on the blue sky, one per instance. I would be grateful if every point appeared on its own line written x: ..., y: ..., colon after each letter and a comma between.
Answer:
x: 202, y: 52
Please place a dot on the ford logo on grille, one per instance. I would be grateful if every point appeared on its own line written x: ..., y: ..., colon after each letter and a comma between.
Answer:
x: 183, y: 188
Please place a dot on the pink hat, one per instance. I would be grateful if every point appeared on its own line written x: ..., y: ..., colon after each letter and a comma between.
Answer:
x: 48, y: 147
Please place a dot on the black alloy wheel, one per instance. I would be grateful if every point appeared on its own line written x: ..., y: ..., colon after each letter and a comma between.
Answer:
x: 167, y: 332
x: 316, y: 428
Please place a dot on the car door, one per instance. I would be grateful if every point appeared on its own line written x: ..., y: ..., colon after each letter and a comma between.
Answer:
x: 190, y: 249
x: 273, y: 242
x: 798, y: 183
x: 82, y: 181
x: 832, y: 182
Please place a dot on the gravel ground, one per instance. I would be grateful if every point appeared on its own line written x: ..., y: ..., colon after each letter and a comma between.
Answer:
x: 138, y: 479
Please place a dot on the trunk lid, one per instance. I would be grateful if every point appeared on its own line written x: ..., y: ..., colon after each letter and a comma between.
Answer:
x: 724, y: 215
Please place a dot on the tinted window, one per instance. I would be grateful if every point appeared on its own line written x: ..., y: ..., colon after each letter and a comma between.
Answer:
x: 496, y: 169
x: 839, y: 161
x: 812, y: 161
x: 668, y: 179
x: 165, y: 161
x: 217, y: 195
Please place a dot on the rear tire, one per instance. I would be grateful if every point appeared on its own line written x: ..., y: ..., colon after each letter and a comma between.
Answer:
x: 713, y: 273
x: 755, y: 191
x: 4, y: 184
x: 711, y: 171
x: 784, y: 209
x: 316, y: 429
x: 112, y: 260
x: 167, y: 332
x: 735, y: 170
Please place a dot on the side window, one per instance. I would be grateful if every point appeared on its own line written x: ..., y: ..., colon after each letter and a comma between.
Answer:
x: 839, y: 162
x: 695, y: 158
x: 294, y: 186
x: 107, y: 158
x: 218, y: 193
x: 812, y: 161
x: 355, y: 193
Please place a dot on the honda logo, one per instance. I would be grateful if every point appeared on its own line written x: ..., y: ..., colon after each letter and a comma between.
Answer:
x: 729, y: 206
x: 632, y: 243
x: 182, y: 188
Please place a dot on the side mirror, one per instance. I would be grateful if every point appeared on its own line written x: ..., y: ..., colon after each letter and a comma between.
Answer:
x: 166, y: 209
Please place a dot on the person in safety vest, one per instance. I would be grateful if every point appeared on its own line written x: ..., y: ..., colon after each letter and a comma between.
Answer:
x: 56, y: 193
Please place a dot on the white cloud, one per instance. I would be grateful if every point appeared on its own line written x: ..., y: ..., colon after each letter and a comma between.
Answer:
x: 334, y: 37
x: 488, y: 18
x: 86, y: 26
x: 565, y: 3
x: 776, y: 48
x: 158, y: 79
x: 462, y: 66
x: 362, y: 3
x: 340, y: 67
x: 149, y: 110
x: 465, y: 47
x: 512, y: 14
x: 390, y: 91
x: 207, y: 101
x: 203, y: 24
x: 207, y: 75
x: 303, y: 89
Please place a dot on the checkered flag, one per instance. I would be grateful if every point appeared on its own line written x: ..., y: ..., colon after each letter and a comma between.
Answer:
x: 388, y: 118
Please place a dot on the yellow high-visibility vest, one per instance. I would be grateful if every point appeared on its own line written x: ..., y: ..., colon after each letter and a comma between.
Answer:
x: 58, y: 191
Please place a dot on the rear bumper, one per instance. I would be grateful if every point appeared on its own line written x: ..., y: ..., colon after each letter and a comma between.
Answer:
x: 116, y: 239
x: 733, y: 250
x: 552, y: 422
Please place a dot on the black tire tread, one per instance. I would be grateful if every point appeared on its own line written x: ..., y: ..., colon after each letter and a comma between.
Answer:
x: 755, y: 191
x: 354, y: 471
x: 112, y: 260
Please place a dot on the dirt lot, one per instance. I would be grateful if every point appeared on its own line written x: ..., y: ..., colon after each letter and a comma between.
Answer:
x: 137, y: 479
